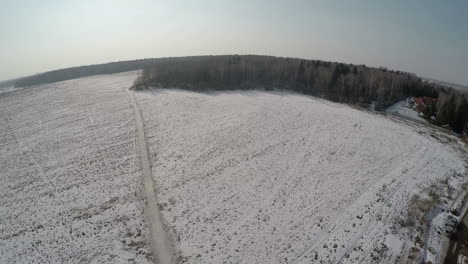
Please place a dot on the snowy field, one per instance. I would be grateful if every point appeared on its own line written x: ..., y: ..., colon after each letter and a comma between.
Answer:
x: 69, y: 174
x: 256, y: 177
x: 240, y: 177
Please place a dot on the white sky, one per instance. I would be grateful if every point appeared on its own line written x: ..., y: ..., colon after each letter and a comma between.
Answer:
x: 429, y: 38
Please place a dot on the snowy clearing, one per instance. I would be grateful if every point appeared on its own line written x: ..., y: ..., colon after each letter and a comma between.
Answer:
x: 402, y: 108
x: 70, y: 178
x: 257, y: 177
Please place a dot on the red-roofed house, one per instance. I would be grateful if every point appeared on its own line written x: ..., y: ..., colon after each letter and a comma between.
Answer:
x: 422, y: 103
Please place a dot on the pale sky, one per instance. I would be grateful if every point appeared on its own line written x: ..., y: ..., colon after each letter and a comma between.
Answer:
x: 427, y: 37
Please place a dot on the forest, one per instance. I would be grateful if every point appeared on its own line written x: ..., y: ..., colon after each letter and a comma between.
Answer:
x: 345, y: 83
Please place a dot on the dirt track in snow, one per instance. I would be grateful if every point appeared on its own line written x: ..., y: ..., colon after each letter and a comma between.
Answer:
x: 161, y: 247
x: 70, y: 176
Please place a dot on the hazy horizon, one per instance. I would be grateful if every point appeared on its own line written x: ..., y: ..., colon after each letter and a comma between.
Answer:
x: 429, y: 38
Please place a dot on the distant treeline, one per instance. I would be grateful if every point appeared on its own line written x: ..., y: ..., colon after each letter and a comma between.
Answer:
x: 346, y: 83
x: 8, y: 83
x: 339, y: 82
x: 83, y: 71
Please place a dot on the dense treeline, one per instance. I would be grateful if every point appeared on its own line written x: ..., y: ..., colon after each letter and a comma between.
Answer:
x: 8, y: 83
x: 452, y: 109
x: 345, y: 83
x: 83, y: 71
x: 354, y: 84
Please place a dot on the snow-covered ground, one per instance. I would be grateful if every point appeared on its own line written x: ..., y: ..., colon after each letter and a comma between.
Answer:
x: 240, y: 177
x: 256, y: 177
x: 402, y: 108
x: 70, y: 178
x: 9, y: 89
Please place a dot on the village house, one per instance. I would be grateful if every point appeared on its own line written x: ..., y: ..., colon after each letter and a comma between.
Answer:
x: 421, y: 104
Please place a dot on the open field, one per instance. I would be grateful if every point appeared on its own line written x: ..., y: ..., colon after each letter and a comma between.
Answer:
x: 256, y: 177
x: 240, y: 177
x: 70, y: 179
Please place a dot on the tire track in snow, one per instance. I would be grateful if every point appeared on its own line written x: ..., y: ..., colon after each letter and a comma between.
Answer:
x: 160, y: 245
x: 402, y: 180
x: 350, y: 214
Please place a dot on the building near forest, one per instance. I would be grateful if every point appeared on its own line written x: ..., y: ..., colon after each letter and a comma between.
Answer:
x: 423, y: 104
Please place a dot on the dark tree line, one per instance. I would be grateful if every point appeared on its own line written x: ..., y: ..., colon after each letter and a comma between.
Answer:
x: 7, y: 83
x: 452, y: 109
x: 83, y: 71
x: 345, y: 83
